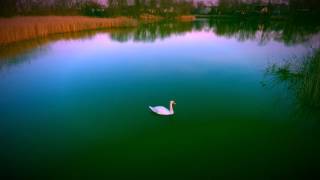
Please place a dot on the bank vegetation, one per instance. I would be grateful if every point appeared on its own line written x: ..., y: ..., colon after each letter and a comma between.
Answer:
x: 23, y: 28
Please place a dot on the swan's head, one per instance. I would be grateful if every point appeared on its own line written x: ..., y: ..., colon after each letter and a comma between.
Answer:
x: 173, y: 102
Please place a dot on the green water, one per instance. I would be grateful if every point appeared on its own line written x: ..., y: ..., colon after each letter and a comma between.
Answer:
x: 74, y: 106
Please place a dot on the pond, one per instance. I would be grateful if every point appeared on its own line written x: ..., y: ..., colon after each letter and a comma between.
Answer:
x: 76, y: 105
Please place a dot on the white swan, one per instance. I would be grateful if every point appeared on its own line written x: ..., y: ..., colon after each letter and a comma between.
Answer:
x: 163, y: 110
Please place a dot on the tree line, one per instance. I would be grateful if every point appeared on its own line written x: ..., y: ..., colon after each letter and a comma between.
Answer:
x: 40, y: 7
x: 154, y: 7
x: 100, y: 8
x: 109, y: 8
x: 266, y: 7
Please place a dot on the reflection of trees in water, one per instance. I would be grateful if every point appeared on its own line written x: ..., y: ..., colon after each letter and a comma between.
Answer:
x: 288, y: 32
x: 235, y: 29
x: 150, y: 32
x: 302, y: 76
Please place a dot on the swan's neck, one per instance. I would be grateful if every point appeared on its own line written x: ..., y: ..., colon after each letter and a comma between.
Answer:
x: 171, y: 108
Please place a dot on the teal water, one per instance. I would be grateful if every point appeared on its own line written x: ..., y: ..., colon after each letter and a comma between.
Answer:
x: 75, y: 106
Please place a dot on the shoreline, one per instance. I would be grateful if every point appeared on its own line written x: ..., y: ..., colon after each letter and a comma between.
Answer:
x: 23, y: 28
x: 281, y: 18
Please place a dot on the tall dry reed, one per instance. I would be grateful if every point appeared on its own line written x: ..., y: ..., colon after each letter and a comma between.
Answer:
x: 23, y: 28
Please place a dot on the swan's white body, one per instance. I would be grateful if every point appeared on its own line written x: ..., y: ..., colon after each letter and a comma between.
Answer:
x: 163, y: 110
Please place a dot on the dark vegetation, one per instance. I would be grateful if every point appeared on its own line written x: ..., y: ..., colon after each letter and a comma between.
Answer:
x: 289, y: 32
x: 168, y: 8
x: 149, y: 32
x: 302, y: 76
x: 106, y: 8
x: 262, y: 9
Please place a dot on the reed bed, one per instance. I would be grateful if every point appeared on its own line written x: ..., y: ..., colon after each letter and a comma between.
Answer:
x: 309, y: 89
x: 23, y: 28
x: 302, y: 76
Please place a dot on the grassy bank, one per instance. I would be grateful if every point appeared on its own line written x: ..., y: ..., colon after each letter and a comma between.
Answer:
x: 23, y: 28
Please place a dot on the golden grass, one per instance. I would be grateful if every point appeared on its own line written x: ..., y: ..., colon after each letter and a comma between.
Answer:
x: 23, y: 28
x: 150, y: 18
x: 186, y: 18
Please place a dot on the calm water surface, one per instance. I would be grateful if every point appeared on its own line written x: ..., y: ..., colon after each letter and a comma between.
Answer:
x: 75, y: 106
